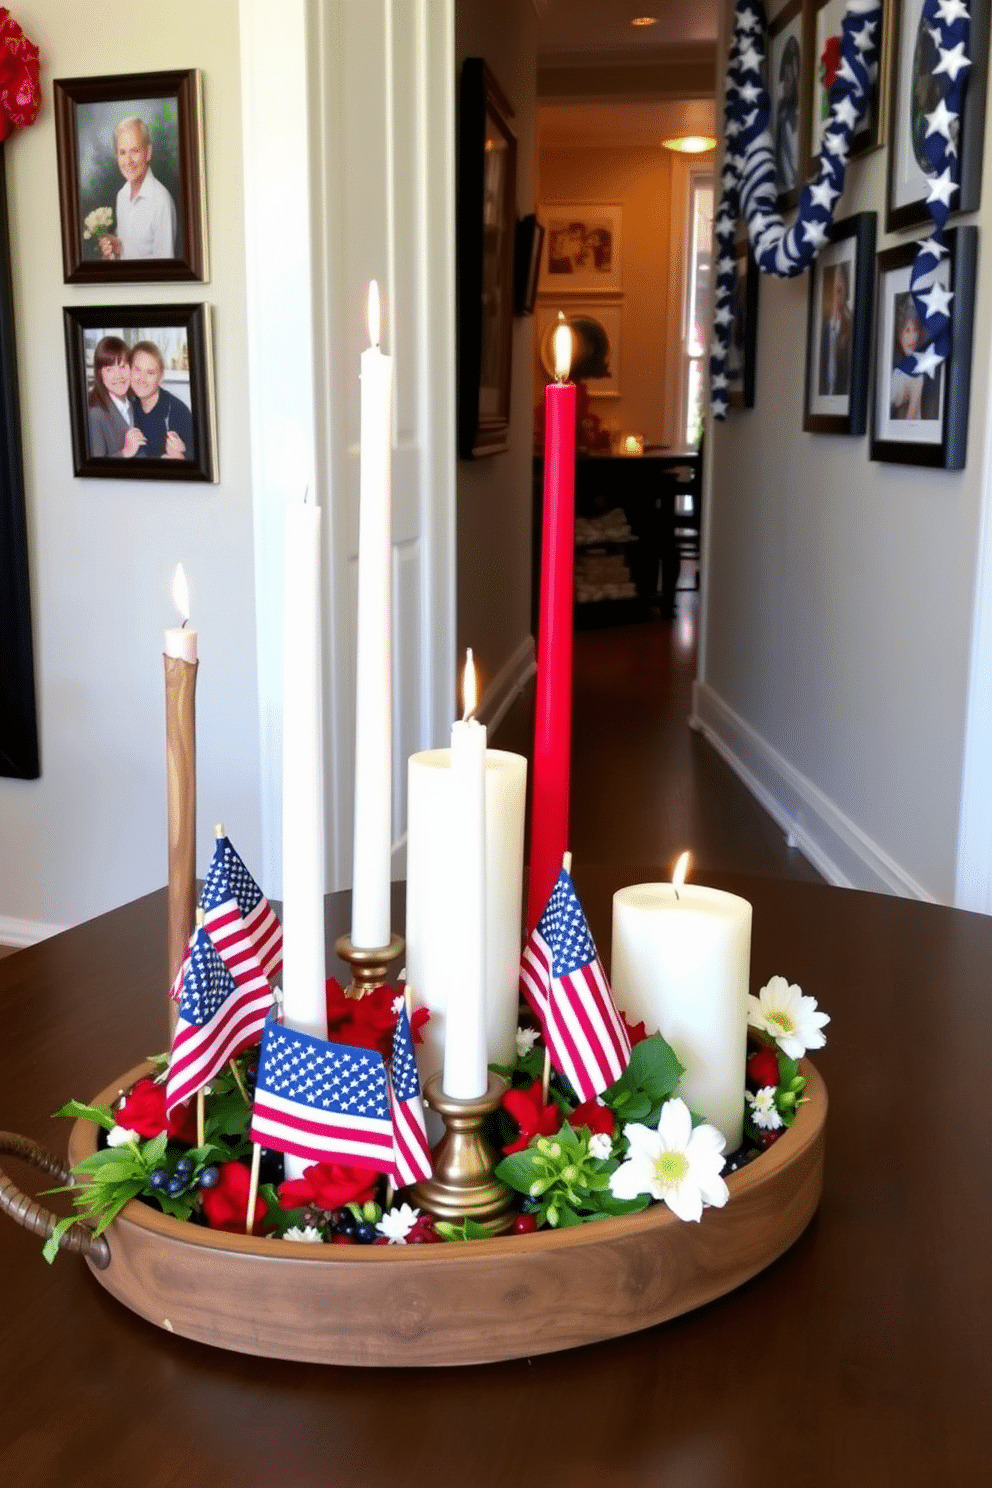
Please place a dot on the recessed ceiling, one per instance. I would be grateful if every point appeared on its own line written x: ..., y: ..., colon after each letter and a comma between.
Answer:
x: 563, y: 125
x: 566, y: 28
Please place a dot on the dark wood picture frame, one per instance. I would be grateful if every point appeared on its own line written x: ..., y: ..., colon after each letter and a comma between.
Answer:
x: 486, y: 217
x: 945, y: 444
x: 86, y: 111
x: 133, y: 323
x: 785, y: 20
x: 870, y: 134
x: 901, y: 212
x: 843, y: 407
x: 18, y: 718
x: 527, y: 248
x: 743, y: 330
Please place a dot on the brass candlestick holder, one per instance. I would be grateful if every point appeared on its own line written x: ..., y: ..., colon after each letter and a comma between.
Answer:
x: 180, y: 748
x: 463, y: 1186
x: 369, y: 968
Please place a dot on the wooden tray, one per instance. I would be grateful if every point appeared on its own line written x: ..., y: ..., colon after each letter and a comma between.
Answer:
x: 473, y: 1303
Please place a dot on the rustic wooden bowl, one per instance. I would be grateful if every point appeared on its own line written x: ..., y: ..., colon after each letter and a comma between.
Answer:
x: 465, y: 1303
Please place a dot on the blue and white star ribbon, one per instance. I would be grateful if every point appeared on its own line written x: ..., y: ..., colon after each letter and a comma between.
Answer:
x: 948, y: 22
x: 749, y: 180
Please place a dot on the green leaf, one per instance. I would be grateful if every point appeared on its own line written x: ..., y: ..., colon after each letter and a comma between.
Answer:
x: 124, y: 1195
x: 520, y: 1170
x: 655, y: 1067
x: 118, y: 1172
x: 76, y: 1111
x: 606, y: 1204
x: 469, y: 1229
x: 153, y: 1151
x: 51, y: 1247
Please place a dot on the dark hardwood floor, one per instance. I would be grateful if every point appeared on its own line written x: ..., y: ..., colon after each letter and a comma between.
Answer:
x: 644, y: 785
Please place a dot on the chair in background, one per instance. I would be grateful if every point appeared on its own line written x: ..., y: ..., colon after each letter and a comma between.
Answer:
x: 688, y: 514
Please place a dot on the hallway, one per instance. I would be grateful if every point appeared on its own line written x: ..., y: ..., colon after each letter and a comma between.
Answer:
x: 644, y: 785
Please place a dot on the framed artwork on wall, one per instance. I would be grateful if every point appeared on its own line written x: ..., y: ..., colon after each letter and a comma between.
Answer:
x: 132, y: 190
x: 487, y: 195
x: 841, y: 289
x: 920, y: 419
x: 916, y: 90
x: 596, y: 332
x: 141, y: 403
x: 18, y: 719
x: 827, y: 18
x: 581, y: 253
x: 790, y: 89
x: 742, y: 350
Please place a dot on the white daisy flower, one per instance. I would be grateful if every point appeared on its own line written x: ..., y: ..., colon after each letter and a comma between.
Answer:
x: 396, y: 1224
x: 526, y: 1039
x: 792, y: 1020
x: 600, y: 1145
x: 310, y: 1234
x: 675, y: 1164
x: 764, y: 1111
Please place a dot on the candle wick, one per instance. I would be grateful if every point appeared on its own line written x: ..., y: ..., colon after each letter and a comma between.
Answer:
x: 185, y: 623
x: 675, y: 887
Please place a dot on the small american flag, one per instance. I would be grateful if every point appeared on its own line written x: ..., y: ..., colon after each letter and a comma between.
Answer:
x: 411, y: 1149
x: 242, y: 924
x: 563, y: 979
x: 218, y: 1018
x: 322, y: 1101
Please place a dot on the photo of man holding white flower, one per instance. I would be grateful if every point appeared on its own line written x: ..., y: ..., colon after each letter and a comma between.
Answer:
x: 136, y: 220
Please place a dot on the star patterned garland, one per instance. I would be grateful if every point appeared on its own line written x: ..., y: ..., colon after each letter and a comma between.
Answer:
x: 948, y: 22
x: 749, y: 179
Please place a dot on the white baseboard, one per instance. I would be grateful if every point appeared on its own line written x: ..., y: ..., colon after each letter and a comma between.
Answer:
x: 828, y: 839
x: 21, y: 933
x: 507, y: 685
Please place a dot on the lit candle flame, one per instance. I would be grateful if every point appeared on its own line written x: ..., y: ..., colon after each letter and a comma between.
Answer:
x: 470, y: 696
x: 373, y: 312
x: 562, y: 343
x: 681, y: 869
x: 180, y: 592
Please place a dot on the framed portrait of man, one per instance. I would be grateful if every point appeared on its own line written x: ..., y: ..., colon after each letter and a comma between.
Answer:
x: 131, y: 178
x: 841, y: 282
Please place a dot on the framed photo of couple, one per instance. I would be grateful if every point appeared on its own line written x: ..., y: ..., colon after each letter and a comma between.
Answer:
x: 841, y: 286
x: 131, y: 178
x: 921, y: 419
x: 141, y: 403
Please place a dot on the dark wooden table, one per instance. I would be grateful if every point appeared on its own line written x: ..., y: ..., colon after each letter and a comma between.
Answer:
x: 861, y: 1357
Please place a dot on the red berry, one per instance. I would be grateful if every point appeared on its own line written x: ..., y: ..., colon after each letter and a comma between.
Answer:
x: 524, y: 1224
x: 762, y: 1069
x: 768, y: 1139
x: 343, y: 1240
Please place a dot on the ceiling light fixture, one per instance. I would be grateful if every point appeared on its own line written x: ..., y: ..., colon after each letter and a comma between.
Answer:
x: 644, y: 21
x: 690, y: 144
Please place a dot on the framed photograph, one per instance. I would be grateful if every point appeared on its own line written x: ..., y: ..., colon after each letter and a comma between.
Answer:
x: 581, y: 248
x: 487, y: 187
x: 18, y: 719
x: 742, y: 350
x: 827, y: 18
x: 141, y: 403
x: 921, y: 420
x: 790, y: 89
x: 131, y: 178
x: 915, y: 91
x: 841, y: 289
x: 596, y: 331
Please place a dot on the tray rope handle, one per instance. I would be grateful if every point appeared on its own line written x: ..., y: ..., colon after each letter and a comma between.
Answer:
x: 33, y: 1216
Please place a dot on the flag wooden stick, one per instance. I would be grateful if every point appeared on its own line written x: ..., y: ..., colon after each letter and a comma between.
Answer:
x: 201, y: 1120
x: 239, y: 1082
x: 390, y: 1193
x: 566, y: 863
x: 256, y: 1158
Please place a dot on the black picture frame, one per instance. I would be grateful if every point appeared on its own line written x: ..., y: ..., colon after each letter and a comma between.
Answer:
x: 18, y: 717
x: 527, y: 247
x: 87, y: 112
x: 837, y: 359
x: 182, y: 334
x: 791, y: 101
x: 905, y: 178
x: 743, y: 344
x: 936, y: 435
x: 870, y: 133
x: 486, y: 218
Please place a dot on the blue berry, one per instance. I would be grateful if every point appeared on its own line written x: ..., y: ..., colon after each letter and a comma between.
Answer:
x: 158, y: 1178
x: 184, y: 1167
x: 366, y: 1232
x: 210, y: 1177
x: 175, y: 1186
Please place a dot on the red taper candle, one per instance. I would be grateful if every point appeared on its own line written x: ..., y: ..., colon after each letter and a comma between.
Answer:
x: 553, y: 717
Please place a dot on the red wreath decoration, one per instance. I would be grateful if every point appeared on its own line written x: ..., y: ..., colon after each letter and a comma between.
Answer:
x: 20, y: 89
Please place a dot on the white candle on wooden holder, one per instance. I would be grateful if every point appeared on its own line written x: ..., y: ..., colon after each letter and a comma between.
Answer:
x: 180, y: 640
x: 680, y: 964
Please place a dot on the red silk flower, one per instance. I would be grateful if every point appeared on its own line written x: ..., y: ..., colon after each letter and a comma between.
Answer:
x: 594, y: 1115
x: 328, y: 1186
x: 20, y: 92
x: 226, y: 1205
x: 533, y: 1117
x: 830, y: 61
x: 143, y: 1111
x: 368, y: 1022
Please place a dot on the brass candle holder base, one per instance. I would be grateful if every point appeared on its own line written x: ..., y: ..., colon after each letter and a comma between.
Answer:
x: 463, y: 1186
x: 369, y: 968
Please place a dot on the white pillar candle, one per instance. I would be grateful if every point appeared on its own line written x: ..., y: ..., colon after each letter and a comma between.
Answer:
x: 432, y: 872
x: 303, y: 974
x: 370, y: 919
x: 180, y: 640
x: 681, y: 959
